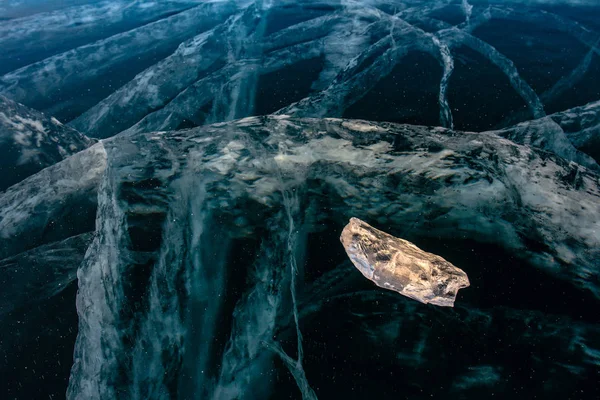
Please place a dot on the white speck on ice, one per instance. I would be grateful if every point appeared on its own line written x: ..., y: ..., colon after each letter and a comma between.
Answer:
x: 360, y: 126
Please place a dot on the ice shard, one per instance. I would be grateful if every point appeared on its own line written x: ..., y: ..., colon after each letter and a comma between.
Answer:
x: 31, y: 141
x: 397, y: 264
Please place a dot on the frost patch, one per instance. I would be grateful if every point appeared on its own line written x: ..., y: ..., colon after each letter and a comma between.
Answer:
x: 34, y: 124
x: 360, y: 126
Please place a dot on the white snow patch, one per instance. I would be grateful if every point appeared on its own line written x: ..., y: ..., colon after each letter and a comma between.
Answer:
x: 201, y: 140
x: 225, y: 163
x: 23, y: 139
x: 28, y: 155
x: 360, y: 126
x: 34, y: 124
x: 248, y: 121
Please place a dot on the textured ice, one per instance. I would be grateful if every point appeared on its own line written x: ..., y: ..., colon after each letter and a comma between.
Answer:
x: 39, y: 274
x: 473, y: 177
x: 171, y: 206
x: 208, y: 59
x: 581, y: 125
x: 64, y: 29
x: 34, y: 84
x: 54, y: 204
x: 31, y: 141
x: 214, y: 268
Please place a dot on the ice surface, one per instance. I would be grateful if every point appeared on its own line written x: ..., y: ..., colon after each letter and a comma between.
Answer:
x: 32, y: 38
x: 215, y: 269
x: 53, y: 204
x: 31, y: 141
x: 171, y: 206
x: 36, y: 275
x: 193, y: 64
x: 155, y: 224
x: 34, y: 84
